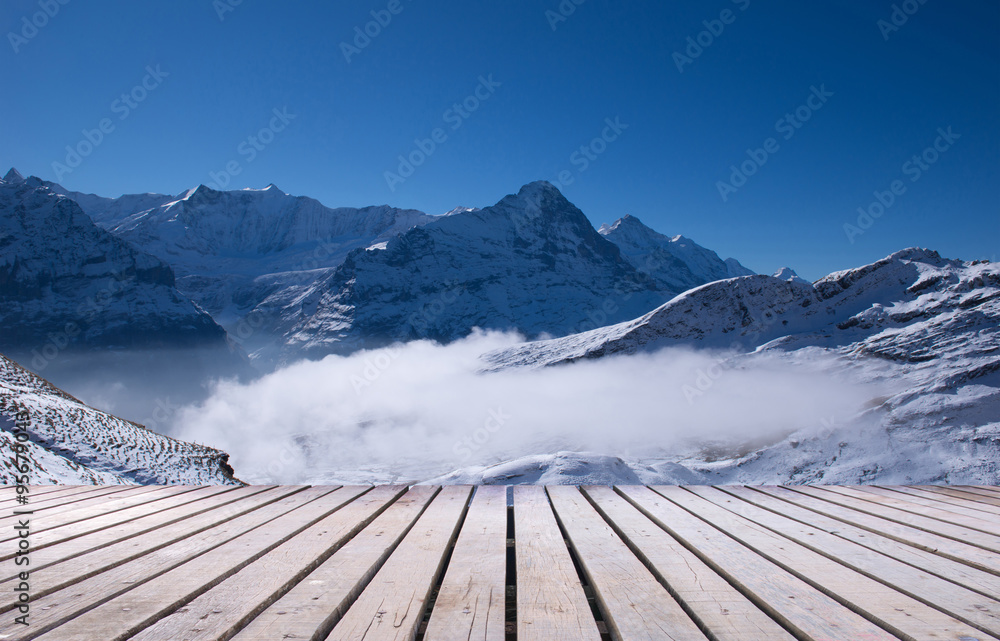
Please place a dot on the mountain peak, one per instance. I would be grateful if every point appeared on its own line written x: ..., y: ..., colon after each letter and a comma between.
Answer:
x: 13, y: 176
x: 628, y: 221
x: 460, y: 210
x: 539, y: 187
x: 787, y: 273
x: 201, y: 191
x: 918, y: 254
x: 542, y: 202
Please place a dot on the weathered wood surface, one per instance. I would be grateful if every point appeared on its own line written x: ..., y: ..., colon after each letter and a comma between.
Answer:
x: 392, y: 606
x: 709, y: 598
x: 429, y: 563
x: 470, y: 603
x: 551, y: 603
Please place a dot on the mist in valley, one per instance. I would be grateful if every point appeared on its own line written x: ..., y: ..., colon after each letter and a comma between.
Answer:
x: 419, y: 410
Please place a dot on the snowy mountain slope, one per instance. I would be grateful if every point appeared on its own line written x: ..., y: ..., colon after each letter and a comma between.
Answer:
x: 71, y: 443
x: 96, y: 316
x: 741, y: 313
x: 676, y: 264
x: 888, y: 296
x: 922, y: 332
x: 13, y: 176
x: 61, y: 275
x: 532, y: 262
x: 105, y: 211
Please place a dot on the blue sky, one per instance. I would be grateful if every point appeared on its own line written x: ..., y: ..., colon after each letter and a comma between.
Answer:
x: 684, y: 115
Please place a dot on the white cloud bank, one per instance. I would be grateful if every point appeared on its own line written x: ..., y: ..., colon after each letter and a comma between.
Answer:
x: 420, y: 410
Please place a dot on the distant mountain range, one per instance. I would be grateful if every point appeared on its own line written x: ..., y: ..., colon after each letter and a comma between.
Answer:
x: 288, y: 277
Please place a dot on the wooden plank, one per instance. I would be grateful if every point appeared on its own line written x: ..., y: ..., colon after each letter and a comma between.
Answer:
x: 894, y: 611
x: 551, y: 603
x: 49, y: 528
x: 972, y: 608
x: 635, y: 605
x: 9, y: 494
x: 36, y: 493
x: 934, y: 526
x: 87, y: 493
x: 72, y: 525
x: 311, y: 608
x: 77, y: 493
x: 61, y: 565
x: 471, y: 600
x: 970, y: 493
x: 797, y: 605
x: 48, y: 488
x: 711, y: 601
x: 922, y: 507
x: 44, y: 489
x: 52, y: 508
x: 57, y: 492
x: 54, y: 609
x: 968, y: 505
x: 928, y: 541
x: 223, y: 610
x: 126, y: 614
x: 982, y: 582
x: 993, y: 489
x: 392, y: 606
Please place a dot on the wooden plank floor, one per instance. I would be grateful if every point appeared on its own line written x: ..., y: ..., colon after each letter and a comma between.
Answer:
x: 490, y: 563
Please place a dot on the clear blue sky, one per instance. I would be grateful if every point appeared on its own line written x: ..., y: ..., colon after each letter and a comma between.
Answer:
x: 892, y: 90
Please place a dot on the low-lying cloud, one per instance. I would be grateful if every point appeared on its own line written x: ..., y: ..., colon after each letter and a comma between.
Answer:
x: 416, y: 411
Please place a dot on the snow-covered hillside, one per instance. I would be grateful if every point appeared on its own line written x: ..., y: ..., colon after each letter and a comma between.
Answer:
x: 72, y: 443
x: 878, y: 304
x: 923, y: 332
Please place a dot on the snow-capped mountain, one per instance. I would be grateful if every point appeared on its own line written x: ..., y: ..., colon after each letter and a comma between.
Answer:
x: 676, y: 263
x: 247, y: 253
x: 787, y: 273
x: 71, y: 443
x: 66, y: 283
x: 532, y: 262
